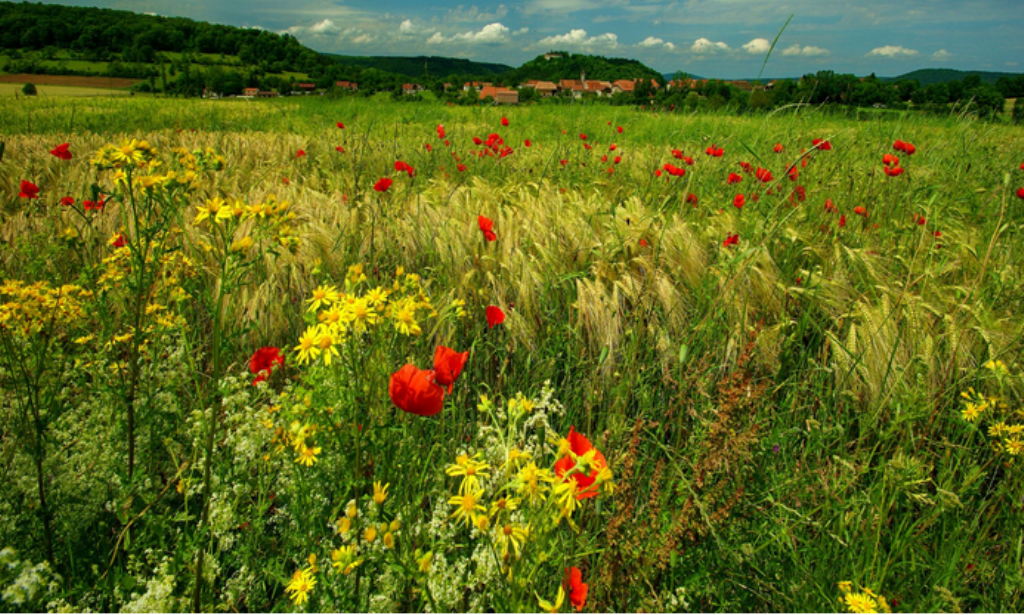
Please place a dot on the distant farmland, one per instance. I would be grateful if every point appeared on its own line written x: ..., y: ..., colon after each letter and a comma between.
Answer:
x: 70, y: 81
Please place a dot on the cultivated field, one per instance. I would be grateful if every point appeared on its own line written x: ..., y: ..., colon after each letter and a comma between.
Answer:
x: 712, y: 363
x: 69, y: 81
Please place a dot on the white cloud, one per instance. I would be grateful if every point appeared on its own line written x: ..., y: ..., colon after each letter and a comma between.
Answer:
x: 406, y: 27
x: 703, y: 45
x: 892, y: 51
x: 364, y: 38
x: 491, y: 33
x: 806, y: 50
x: 758, y: 46
x: 579, y: 38
x: 323, y: 27
x: 653, y: 41
x: 461, y: 14
x: 941, y: 54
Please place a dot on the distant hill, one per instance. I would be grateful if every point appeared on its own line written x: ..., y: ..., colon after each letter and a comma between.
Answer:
x: 420, y: 66
x: 929, y: 76
x: 670, y: 76
x: 560, y: 65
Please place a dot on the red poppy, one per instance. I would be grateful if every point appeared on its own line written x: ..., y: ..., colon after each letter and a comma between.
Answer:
x: 617, y: 159
x: 448, y: 365
x: 830, y: 206
x: 461, y: 167
x: 580, y: 446
x: 118, y: 241
x: 28, y: 190
x: 428, y: 147
x: 731, y: 240
x: 860, y: 211
x: 382, y: 184
x: 613, y: 147
x: 746, y: 166
x: 842, y: 220
x: 440, y: 131
x: 1020, y: 191
x: 801, y: 194
x: 764, y: 175
x: 643, y: 243
x: 735, y: 178
x: 94, y: 205
x: 604, y: 158
x: 494, y: 316
x: 778, y: 148
x: 583, y: 137
x: 822, y: 144
x: 691, y: 199
x: 478, y: 141
x: 286, y: 181
x: 739, y: 201
x: 898, y: 145
x: 678, y: 153
x: 300, y: 153
x: 619, y: 128
x: 487, y: 226
x: 404, y: 166
x: 504, y: 121
x: 793, y: 174
x: 920, y: 220
x: 263, y: 362
x: 588, y: 146
x: 414, y: 390
x: 341, y: 125
x: 340, y: 149
x: 674, y: 170
x: 68, y: 200
x: 893, y: 171
x: 564, y: 162
x: 577, y: 588
x: 527, y: 143
x: 61, y: 151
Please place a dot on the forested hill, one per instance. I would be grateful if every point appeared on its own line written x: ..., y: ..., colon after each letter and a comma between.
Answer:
x: 569, y: 66
x: 423, y: 66
x: 106, y: 34
x: 929, y: 76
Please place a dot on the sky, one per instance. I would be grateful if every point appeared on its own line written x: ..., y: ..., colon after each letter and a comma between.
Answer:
x: 711, y: 38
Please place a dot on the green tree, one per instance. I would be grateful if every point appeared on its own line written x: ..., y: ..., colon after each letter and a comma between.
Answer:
x: 29, y: 89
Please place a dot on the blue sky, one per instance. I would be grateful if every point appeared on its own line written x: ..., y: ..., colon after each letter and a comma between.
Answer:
x: 714, y: 38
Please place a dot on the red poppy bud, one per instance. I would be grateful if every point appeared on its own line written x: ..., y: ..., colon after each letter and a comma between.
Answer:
x: 619, y: 129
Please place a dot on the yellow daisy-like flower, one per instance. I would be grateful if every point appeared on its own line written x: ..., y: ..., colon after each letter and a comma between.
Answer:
x: 860, y: 603
x: 504, y: 505
x: 322, y: 295
x: 301, y: 585
x: 307, y: 456
x: 359, y: 314
x: 470, y: 468
x: 1013, y: 446
x: 467, y: 506
x: 845, y: 586
x: 564, y: 494
x: 405, y: 319
x: 510, y: 538
x: 377, y: 296
x: 307, y: 348
x: 326, y: 338
x: 345, y: 559
x: 423, y: 561
x: 380, y: 494
x: 532, y: 482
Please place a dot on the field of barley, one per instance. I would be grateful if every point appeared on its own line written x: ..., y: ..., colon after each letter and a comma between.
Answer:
x: 364, y: 355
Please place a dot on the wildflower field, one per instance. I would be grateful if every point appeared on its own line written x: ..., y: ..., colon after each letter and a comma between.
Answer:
x: 363, y: 355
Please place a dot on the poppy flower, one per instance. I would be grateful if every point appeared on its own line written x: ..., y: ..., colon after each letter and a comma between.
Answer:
x: 793, y: 174
x: 341, y: 125
x: 478, y: 141
x: 340, y: 149
x: 778, y: 148
x: 860, y: 211
x: 504, y: 121
x: 619, y: 128
x: 830, y: 206
x: 764, y: 175
x: 674, y: 170
x: 68, y: 200
x: 688, y: 160
x: 735, y: 178
x: 1020, y: 193
x: 448, y: 365
x: 920, y: 220
x: 893, y: 171
x: 300, y: 153
x: 822, y: 144
x: 404, y: 166
x: 577, y: 588
x: 691, y: 199
x: 428, y: 147
x: 414, y: 390
x: 604, y: 158
x: 382, y: 184
x: 494, y: 316
x: 563, y: 162
x: 613, y: 147
x: 527, y: 143
x: 286, y: 181
x: 739, y: 201
x: 746, y: 167
x: 263, y: 362
x: 580, y: 445
x: 657, y: 172
x: 487, y: 226
x: 28, y: 190
x: 677, y: 153
x: 118, y: 241
x: 61, y: 151
x: 644, y: 243
x: 731, y: 240
x: 440, y: 131
x: 890, y: 160
x: 801, y: 194
x: 94, y: 205
x: 898, y: 145
x: 842, y: 220
x: 583, y: 137
x: 461, y: 167
x: 587, y: 146
x: 617, y: 159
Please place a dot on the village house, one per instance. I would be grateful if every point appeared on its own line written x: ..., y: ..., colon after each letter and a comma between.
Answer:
x: 476, y: 85
x: 501, y: 96
x: 250, y: 92
x: 545, y: 88
x: 411, y: 88
x: 351, y: 86
x: 304, y: 87
x: 267, y: 94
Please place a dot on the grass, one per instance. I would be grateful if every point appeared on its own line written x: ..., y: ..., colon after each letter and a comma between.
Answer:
x: 766, y: 408
x: 14, y: 89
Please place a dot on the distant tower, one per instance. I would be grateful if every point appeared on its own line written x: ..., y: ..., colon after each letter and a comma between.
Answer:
x: 583, y: 78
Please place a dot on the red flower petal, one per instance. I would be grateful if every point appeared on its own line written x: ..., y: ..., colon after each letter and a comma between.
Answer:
x: 414, y: 390
x: 448, y: 365
x: 494, y: 316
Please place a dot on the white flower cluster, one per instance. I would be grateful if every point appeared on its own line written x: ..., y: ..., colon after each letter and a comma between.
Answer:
x: 159, y: 596
x: 25, y: 582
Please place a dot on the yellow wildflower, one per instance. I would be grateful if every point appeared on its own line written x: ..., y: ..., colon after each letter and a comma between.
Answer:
x: 380, y: 493
x: 307, y: 347
x: 860, y: 603
x: 307, y: 456
x: 469, y: 468
x: 547, y: 607
x: 345, y: 560
x: 467, y: 506
x: 322, y: 295
x: 301, y: 584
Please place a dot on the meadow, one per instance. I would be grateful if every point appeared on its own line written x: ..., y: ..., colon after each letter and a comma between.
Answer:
x: 354, y: 354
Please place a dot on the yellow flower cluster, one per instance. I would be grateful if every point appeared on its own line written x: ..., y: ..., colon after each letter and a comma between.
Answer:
x: 131, y: 153
x: 27, y: 309
x: 1004, y: 427
x: 340, y: 313
x: 363, y: 529
x: 864, y: 601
